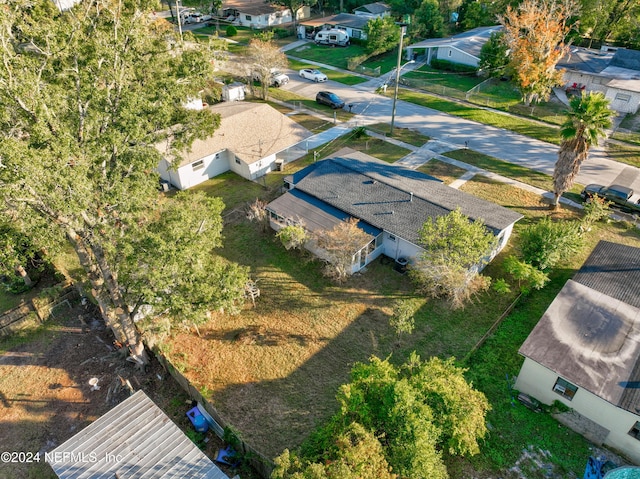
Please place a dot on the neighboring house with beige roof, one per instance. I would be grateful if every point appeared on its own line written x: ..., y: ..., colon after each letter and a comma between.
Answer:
x: 251, y: 137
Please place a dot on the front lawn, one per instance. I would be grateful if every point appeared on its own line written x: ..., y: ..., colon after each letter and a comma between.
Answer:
x: 335, y: 56
x: 441, y: 170
x: 406, y: 135
x: 522, y: 126
x: 459, y: 81
x: 626, y: 153
x: 339, y: 76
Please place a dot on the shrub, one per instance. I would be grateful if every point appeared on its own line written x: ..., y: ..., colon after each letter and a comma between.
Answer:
x: 448, y: 66
x: 292, y: 236
x: 231, y: 31
x: 547, y: 242
x: 359, y: 132
x: 402, y: 320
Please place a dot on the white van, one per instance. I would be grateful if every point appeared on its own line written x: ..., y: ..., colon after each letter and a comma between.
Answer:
x: 332, y: 37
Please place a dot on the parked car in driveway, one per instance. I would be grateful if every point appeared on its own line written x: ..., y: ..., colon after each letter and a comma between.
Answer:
x: 312, y: 74
x: 277, y: 79
x: 330, y: 99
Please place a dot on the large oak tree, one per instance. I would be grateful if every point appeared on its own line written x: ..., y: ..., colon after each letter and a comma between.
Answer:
x: 86, y: 95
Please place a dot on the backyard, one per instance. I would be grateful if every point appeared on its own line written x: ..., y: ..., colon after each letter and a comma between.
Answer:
x: 273, y: 370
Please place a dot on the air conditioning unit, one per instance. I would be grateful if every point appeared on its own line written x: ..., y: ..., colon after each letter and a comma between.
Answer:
x: 559, y: 389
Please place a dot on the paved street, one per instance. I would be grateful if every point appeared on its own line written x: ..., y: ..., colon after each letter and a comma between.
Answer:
x: 496, y: 142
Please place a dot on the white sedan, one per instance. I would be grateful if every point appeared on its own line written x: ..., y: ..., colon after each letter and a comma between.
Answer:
x: 311, y: 74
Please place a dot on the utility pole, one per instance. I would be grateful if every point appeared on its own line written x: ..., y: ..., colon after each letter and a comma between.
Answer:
x: 403, y: 29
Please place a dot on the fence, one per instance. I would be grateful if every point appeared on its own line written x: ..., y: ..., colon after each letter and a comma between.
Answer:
x: 39, y: 309
x: 257, y: 460
x: 372, y: 72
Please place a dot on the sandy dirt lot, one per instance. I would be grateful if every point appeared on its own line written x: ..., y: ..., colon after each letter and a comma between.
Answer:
x: 46, y: 398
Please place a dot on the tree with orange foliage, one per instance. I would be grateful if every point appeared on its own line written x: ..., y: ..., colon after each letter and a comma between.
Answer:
x: 535, y: 33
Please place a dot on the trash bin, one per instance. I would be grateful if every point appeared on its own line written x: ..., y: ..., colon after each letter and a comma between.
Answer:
x: 198, y: 420
x: 401, y: 265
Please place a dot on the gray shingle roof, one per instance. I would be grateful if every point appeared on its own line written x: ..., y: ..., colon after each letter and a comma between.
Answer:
x: 590, y: 334
x: 470, y: 42
x: 373, y: 8
x: 380, y: 194
x: 629, y: 59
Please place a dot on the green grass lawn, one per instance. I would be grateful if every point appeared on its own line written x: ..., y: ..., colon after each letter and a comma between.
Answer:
x: 441, y: 170
x: 624, y: 153
x: 407, y: 135
x: 339, y: 76
x: 522, y: 126
x: 387, y: 61
x: 458, y: 81
x: 335, y: 56
x: 627, y: 136
x: 511, y: 170
x: 273, y: 370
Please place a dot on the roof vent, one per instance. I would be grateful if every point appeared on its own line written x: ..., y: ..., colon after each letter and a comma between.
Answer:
x: 411, y: 196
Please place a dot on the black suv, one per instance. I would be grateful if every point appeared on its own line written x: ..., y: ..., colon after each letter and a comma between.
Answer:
x: 329, y: 99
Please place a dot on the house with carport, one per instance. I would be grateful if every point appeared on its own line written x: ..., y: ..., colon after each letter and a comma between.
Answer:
x: 252, y: 140
x: 463, y: 48
x: 390, y: 202
x: 585, y: 350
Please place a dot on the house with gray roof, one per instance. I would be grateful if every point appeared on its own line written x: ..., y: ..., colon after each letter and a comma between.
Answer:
x: 463, y: 48
x: 352, y: 24
x: 585, y: 350
x: 373, y: 10
x: 610, y: 70
x: 391, y: 203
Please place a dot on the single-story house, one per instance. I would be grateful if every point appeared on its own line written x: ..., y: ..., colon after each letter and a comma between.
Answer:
x: 585, y: 350
x: 134, y: 439
x: 612, y: 71
x: 251, y: 140
x: 391, y: 203
x: 352, y: 24
x: 373, y: 10
x: 260, y: 14
x: 463, y: 48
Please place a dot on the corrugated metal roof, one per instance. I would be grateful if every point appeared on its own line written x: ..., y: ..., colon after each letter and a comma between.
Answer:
x: 133, y: 440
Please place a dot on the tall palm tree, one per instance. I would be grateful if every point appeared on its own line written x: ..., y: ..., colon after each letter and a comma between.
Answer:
x: 587, y: 119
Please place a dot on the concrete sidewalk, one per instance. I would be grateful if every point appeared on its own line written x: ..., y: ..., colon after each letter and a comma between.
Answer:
x: 496, y: 142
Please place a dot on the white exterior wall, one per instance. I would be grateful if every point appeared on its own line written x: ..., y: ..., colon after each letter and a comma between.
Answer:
x: 265, y: 20
x: 538, y: 381
x: 185, y: 176
x: 456, y: 56
x: 598, y: 83
x: 399, y: 248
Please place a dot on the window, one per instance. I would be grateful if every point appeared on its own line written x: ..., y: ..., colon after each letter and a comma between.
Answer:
x: 392, y: 238
x: 247, y: 18
x: 565, y: 388
x: 623, y: 97
x: 599, y: 81
x: 197, y: 165
x: 635, y: 431
x: 449, y: 53
x: 356, y: 33
x: 238, y: 160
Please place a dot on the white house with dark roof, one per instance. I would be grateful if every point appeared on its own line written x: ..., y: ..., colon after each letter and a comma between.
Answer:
x: 249, y: 141
x: 585, y: 350
x: 612, y: 71
x: 463, y: 48
x: 391, y: 203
